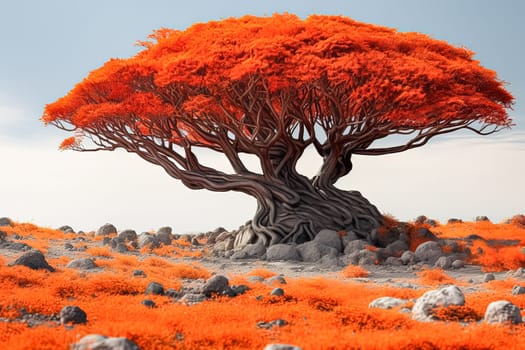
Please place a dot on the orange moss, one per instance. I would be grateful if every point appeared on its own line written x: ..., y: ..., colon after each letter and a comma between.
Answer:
x: 99, y: 251
x: 352, y: 271
x: 435, y: 277
x: 456, y: 313
x: 261, y: 272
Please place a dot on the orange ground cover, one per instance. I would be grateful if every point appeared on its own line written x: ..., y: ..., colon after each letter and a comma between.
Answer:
x: 322, y: 313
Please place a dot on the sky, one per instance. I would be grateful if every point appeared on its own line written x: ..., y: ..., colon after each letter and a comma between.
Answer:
x: 49, y: 46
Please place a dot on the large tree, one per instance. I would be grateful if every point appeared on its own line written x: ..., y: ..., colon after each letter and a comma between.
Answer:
x: 270, y: 87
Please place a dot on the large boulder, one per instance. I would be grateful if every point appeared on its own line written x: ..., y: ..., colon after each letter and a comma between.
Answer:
x: 33, y: 259
x: 502, y: 311
x: 106, y: 230
x: 82, y: 264
x: 127, y: 235
x: 250, y: 251
x: 282, y: 252
x: 329, y: 238
x: 428, y: 252
x: 217, y: 284
x: 313, y: 251
x: 425, y: 305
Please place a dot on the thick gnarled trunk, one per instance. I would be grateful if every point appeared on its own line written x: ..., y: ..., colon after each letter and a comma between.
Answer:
x: 278, y: 221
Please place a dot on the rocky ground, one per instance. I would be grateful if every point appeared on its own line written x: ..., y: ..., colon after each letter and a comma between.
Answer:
x: 429, y: 273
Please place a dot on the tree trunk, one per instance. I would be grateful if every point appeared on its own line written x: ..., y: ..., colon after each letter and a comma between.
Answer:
x: 278, y: 221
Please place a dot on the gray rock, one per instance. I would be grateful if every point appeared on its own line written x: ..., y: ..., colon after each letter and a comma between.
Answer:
x: 393, y: 261
x: 329, y: 261
x: 278, y: 346
x: 5, y: 222
x: 282, y: 252
x: 33, y: 259
x: 100, y: 342
x: 82, y: 264
x: 444, y: 262
x: 217, y: 284
x: 454, y: 221
x: 397, y: 248
x: 313, y: 251
x: 276, y: 279
x: 192, y: 298
x: 148, y: 303
x: 154, y: 288
x: 106, y: 229
x: 250, y: 251
x: 17, y: 246
x: 271, y: 324
x: 348, y: 237
x: 66, y: 229
x: 72, y: 314
x: 424, y: 305
x: 254, y: 279
x: 482, y: 218
x: 386, y: 303
x: 518, y: 290
x: 362, y: 257
x: 139, y: 273
x: 355, y: 246
x: 428, y: 252
x: 489, y: 277
x: 329, y: 238
x: 148, y: 240
x: 243, y: 237
x: 279, y: 292
x: 502, y: 311
x: 458, y: 264
x: 67, y: 246
x: 163, y: 237
x: 165, y: 230
x: 127, y: 235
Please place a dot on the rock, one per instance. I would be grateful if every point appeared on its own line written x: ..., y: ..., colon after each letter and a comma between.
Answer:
x: 424, y: 234
x: 82, y: 264
x: 5, y: 222
x: 489, y: 277
x: 33, y: 259
x: 518, y: 290
x: 393, y: 261
x: 355, y: 246
x: 121, y: 248
x: 276, y: 279
x: 271, y: 324
x: 254, y: 279
x: 408, y: 258
x: 127, y: 236
x: 139, y: 273
x: 243, y: 237
x: 148, y: 240
x: 66, y: 229
x: 313, y: 251
x: 72, y: 314
x: 454, y: 221
x: 17, y: 246
x: 148, y: 303
x: 165, y: 230
x: 164, y: 237
x: 362, y: 257
x: 482, y: 218
x: 217, y: 284
x: 431, y: 222
x: 279, y: 292
x: 278, y: 346
x: 502, y: 311
x: 458, y: 264
x: 192, y: 298
x: 240, y: 289
x: 329, y: 261
x: 285, y: 252
x: 386, y: 303
x: 106, y: 229
x: 348, y: 236
x: 420, y: 219
x: 329, y: 238
x: 100, y: 342
x: 250, y: 251
x: 444, y: 262
x: 428, y: 252
x: 68, y: 246
x: 424, y: 305
x: 154, y: 288
x: 396, y: 248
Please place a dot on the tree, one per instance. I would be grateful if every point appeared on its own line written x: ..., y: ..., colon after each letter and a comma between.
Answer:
x: 271, y: 87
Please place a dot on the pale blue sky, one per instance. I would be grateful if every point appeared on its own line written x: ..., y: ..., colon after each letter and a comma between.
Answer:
x: 48, y: 46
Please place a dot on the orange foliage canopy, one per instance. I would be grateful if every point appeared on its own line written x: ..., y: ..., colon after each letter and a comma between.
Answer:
x: 244, y: 80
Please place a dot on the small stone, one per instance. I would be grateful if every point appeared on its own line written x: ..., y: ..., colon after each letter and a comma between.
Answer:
x: 148, y: 240
x: 254, y: 279
x: 72, y: 314
x: 518, y: 290
x: 408, y: 258
x: 271, y: 324
x: 215, y: 285
x: 5, y: 222
x: 277, y: 292
x: 458, y: 264
x: 250, y: 251
x: 279, y: 279
x: 66, y: 229
x: 393, y: 261
x: 192, y: 298
x: 35, y: 260
x: 127, y: 235
x: 386, y: 303
x: 82, y: 264
x: 148, y: 303
x: 100, y: 342
x: 489, y: 277
x: 454, y: 221
x: 502, y: 311
x: 444, y: 262
x: 106, y: 229
x: 154, y: 288
x: 139, y: 273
